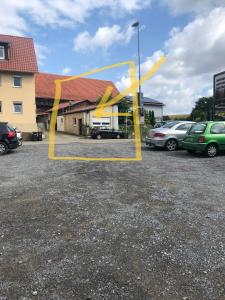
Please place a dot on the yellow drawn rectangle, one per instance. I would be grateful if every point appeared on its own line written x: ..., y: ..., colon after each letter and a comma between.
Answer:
x: 100, y: 110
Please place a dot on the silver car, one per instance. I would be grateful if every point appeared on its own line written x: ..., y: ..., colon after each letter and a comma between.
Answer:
x: 168, y: 136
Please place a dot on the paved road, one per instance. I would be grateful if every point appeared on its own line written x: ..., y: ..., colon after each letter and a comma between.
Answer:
x: 98, y: 230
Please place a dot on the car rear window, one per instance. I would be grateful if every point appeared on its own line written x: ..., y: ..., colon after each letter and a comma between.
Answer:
x: 198, y: 128
x: 170, y: 124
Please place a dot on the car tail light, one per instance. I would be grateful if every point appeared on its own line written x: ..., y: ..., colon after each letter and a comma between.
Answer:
x: 201, y: 139
x: 159, y: 134
x: 11, y: 134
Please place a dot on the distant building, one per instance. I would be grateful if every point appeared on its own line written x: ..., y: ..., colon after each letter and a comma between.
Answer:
x: 79, y: 99
x: 81, y: 117
x: 151, y: 105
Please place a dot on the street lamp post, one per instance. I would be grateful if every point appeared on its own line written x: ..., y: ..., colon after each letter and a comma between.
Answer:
x: 137, y: 25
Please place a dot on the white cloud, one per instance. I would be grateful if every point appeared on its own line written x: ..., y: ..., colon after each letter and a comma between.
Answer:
x: 187, y: 6
x: 131, y: 5
x: 16, y: 14
x: 194, y: 54
x: 104, y: 38
x: 66, y: 71
x: 11, y: 22
x: 41, y: 52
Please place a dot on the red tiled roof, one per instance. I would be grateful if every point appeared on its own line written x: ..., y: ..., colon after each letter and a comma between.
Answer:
x: 21, y: 55
x: 61, y: 106
x: 81, y: 109
x: 77, y: 89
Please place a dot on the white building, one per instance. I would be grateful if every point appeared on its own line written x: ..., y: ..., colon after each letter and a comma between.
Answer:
x: 151, y: 105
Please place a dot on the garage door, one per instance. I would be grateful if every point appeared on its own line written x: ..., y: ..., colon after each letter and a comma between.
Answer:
x: 101, y: 122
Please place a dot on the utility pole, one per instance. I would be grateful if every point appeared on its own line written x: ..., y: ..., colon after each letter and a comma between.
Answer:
x: 137, y: 25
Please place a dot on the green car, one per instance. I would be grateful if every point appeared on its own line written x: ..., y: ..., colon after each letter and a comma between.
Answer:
x: 205, y: 137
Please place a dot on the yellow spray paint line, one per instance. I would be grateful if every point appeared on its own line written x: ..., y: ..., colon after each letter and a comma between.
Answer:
x: 100, y: 110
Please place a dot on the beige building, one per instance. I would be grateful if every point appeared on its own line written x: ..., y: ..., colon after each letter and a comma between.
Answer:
x: 80, y: 120
x: 18, y: 66
x: 79, y: 98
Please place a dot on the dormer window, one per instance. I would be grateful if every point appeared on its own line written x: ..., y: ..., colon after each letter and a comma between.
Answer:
x: 4, y: 49
x: 2, y: 52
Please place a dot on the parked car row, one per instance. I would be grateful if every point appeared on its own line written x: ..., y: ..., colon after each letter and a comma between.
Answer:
x: 10, y: 137
x: 203, y: 137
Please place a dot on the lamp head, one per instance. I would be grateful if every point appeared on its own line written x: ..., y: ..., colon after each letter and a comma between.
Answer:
x: 136, y: 24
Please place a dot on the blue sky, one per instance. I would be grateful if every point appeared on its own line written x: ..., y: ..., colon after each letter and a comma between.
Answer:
x: 75, y: 36
x: 156, y: 22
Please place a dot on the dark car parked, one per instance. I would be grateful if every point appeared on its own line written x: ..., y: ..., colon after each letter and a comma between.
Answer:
x: 99, y: 133
x: 8, y: 138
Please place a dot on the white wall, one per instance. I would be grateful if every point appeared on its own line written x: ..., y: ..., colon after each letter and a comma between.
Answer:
x: 158, y: 111
x: 60, y: 123
x: 113, y: 121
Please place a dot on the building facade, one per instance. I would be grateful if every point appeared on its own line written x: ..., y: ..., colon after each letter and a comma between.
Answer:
x: 79, y: 99
x: 79, y: 121
x: 18, y: 66
x: 151, y: 105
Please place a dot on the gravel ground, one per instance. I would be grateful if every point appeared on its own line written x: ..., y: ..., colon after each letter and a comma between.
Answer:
x: 101, y: 230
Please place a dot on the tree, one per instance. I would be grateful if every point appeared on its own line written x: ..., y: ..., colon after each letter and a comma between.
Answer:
x: 150, y: 116
x: 124, y: 107
x: 147, y: 115
x: 203, y: 109
x: 153, y: 119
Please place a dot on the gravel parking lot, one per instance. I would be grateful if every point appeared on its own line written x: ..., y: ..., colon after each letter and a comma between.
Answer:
x: 103, y: 230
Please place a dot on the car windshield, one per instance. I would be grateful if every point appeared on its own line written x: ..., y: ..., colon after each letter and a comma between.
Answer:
x: 198, y: 128
x: 170, y: 124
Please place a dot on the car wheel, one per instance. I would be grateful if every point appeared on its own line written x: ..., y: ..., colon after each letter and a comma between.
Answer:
x: 3, y: 148
x: 118, y: 136
x: 211, y: 150
x: 99, y: 136
x: 191, y: 151
x: 171, y: 145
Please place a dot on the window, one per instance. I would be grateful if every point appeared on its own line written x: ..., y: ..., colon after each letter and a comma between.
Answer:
x: 198, y: 128
x: 184, y: 127
x: 74, y: 121
x: 218, y: 128
x: 170, y: 124
x: 17, y: 107
x: 0, y: 106
x: 2, y: 52
x: 17, y: 81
